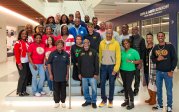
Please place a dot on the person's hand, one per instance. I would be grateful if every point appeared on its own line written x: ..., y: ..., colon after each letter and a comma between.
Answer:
x: 139, y: 66
x: 35, y: 67
x: 96, y: 77
x: 160, y: 58
x: 79, y: 76
x: 20, y: 66
x: 129, y: 61
x: 45, y: 67
x: 51, y: 77
x: 170, y: 74
x: 113, y: 73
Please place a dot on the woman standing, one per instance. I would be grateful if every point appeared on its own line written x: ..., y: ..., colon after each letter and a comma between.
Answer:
x: 50, y: 48
x: 51, y: 22
x: 150, y: 70
x: 29, y: 29
x: 129, y: 58
x: 48, y: 33
x: 22, y: 62
x: 36, y: 54
x: 67, y: 38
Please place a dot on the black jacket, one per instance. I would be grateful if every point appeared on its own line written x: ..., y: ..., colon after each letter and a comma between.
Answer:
x: 138, y: 43
x: 94, y: 39
x: 88, y: 63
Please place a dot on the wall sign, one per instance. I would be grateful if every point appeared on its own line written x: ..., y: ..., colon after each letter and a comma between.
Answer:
x: 154, y: 11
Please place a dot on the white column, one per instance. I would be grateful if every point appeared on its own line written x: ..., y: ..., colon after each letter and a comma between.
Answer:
x: 3, y: 46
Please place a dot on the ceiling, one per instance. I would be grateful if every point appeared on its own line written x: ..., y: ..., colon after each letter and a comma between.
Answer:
x: 110, y: 9
x: 21, y: 8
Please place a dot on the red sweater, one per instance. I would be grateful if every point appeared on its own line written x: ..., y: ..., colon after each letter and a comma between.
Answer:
x: 20, y: 50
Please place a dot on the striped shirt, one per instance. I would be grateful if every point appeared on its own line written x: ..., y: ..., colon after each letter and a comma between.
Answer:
x: 68, y: 42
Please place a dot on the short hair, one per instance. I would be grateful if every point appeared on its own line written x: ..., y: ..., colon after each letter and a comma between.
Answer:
x: 90, y: 24
x: 79, y: 36
x: 59, y: 41
x: 127, y: 40
x: 160, y: 32
x: 71, y: 15
x: 94, y: 18
x: 149, y: 34
x: 36, y: 34
x: 86, y: 40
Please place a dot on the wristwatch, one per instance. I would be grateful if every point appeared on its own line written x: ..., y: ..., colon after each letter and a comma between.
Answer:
x: 132, y: 61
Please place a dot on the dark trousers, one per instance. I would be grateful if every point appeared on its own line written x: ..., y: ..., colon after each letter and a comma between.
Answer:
x: 29, y: 78
x: 127, y: 78
x: 59, y: 92
x: 137, y: 79
x: 146, y: 75
x: 106, y: 71
x: 23, y: 74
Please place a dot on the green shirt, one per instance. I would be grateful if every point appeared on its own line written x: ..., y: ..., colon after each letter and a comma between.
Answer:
x: 132, y: 55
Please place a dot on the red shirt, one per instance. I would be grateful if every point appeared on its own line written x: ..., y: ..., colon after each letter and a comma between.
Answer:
x: 68, y: 42
x: 37, y: 52
x: 48, y: 51
x: 45, y: 37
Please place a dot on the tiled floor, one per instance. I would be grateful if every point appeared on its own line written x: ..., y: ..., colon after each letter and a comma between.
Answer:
x: 8, y: 84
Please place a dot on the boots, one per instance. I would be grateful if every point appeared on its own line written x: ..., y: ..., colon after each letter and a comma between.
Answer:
x: 126, y: 102
x: 150, y: 96
x: 130, y: 106
x: 153, y: 98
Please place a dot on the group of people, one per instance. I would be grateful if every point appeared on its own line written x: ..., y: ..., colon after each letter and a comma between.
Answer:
x: 97, y: 52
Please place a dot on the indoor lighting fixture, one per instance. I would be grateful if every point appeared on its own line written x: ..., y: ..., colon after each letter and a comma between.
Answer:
x: 10, y: 12
x: 131, y: 3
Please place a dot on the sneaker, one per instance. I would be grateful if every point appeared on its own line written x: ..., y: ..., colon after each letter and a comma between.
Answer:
x: 86, y: 104
x: 42, y: 93
x: 63, y: 105
x: 110, y: 104
x: 130, y: 106
x: 157, y: 107
x: 94, y: 105
x: 50, y: 93
x: 126, y: 102
x: 102, y: 104
x: 56, y: 105
x: 37, y: 94
x: 169, y: 109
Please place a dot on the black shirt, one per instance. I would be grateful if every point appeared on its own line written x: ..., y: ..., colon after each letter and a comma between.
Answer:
x: 94, y: 39
x: 146, y: 60
x: 88, y: 64
x: 170, y: 58
x: 59, y: 62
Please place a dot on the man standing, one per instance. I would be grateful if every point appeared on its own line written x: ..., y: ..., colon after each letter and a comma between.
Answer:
x: 93, y: 37
x: 102, y: 28
x: 58, y: 65
x: 109, y: 25
x: 110, y: 58
x: 165, y: 57
x: 77, y: 29
x: 137, y: 43
x: 95, y: 23
x: 88, y: 67
x: 87, y: 19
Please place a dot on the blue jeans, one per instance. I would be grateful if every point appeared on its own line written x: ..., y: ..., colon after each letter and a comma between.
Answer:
x: 38, y: 78
x: 106, y: 71
x: 85, y: 85
x: 50, y: 83
x: 160, y: 76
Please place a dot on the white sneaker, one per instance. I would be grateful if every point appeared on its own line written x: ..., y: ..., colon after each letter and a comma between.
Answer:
x: 50, y: 93
x: 37, y: 94
x: 63, y: 105
x: 42, y: 93
x: 56, y: 105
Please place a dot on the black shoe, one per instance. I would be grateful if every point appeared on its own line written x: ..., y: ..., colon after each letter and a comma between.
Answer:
x: 130, y: 106
x: 21, y: 94
x: 122, y: 91
x: 86, y: 104
x: 126, y: 102
x: 157, y: 107
x: 26, y: 94
x: 136, y: 92
x: 94, y: 105
x: 169, y: 109
x: 99, y: 85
